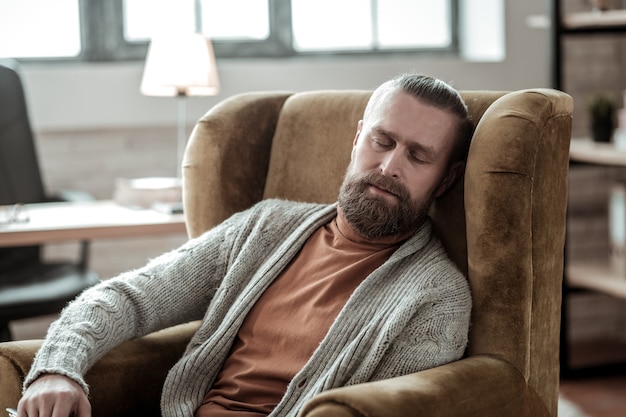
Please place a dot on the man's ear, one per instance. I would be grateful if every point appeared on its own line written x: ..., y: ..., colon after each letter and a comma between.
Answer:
x: 359, y: 127
x: 454, y: 172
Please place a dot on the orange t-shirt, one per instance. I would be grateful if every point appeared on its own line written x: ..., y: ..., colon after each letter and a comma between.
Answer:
x: 290, y: 319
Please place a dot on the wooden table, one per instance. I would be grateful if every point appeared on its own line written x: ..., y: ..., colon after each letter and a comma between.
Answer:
x: 103, y: 219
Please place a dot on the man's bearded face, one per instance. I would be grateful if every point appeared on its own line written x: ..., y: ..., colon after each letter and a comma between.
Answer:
x: 374, y: 216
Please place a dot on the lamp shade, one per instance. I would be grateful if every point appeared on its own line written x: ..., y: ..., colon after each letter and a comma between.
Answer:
x: 180, y: 64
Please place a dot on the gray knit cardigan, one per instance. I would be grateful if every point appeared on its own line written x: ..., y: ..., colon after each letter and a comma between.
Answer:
x: 412, y: 313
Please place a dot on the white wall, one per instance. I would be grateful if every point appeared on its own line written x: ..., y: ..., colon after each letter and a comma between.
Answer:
x: 106, y: 95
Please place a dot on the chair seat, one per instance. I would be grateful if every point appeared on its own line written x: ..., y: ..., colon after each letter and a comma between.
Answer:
x: 41, y: 289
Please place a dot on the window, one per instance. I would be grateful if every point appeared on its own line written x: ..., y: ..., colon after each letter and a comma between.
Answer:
x: 218, y: 17
x: 145, y: 18
x: 30, y: 28
x: 237, y: 27
x: 371, y: 25
x: 120, y: 29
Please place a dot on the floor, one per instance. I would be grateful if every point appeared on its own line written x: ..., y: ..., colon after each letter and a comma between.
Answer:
x: 597, y: 396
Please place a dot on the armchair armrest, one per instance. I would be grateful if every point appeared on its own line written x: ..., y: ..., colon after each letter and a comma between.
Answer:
x: 125, y: 382
x: 477, y: 386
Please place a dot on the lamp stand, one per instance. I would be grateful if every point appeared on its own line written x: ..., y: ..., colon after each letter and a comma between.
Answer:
x: 181, y: 99
x: 181, y: 143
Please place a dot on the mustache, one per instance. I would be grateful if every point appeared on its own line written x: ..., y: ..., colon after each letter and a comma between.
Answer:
x: 385, y: 183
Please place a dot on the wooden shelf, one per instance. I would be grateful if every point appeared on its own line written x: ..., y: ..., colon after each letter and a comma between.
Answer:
x: 609, y: 21
x: 587, y: 151
x: 599, y: 352
x: 597, y: 277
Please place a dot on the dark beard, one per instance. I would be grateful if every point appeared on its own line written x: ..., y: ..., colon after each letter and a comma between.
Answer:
x: 372, y: 216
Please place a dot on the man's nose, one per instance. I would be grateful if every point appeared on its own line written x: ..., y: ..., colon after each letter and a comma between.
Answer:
x: 390, y: 165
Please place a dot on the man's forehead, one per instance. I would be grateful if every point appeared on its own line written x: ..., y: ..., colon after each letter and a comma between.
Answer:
x: 426, y: 127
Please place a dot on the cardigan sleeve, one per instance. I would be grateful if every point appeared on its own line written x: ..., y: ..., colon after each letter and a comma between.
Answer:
x: 136, y: 303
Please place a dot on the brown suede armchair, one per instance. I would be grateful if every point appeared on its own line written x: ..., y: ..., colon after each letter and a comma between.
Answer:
x: 504, y: 225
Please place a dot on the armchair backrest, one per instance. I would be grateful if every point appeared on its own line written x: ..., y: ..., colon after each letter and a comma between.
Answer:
x: 504, y: 225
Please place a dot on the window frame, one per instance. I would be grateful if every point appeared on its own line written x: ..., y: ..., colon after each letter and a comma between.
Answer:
x: 102, y: 37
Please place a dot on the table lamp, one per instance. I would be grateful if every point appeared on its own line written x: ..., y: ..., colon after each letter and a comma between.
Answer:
x: 180, y: 65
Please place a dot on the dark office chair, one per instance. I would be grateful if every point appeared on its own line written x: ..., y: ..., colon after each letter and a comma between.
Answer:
x: 29, y: 287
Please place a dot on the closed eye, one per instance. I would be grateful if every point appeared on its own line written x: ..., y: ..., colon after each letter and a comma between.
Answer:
x: 422, y: 154
x: 382, y: 143
x: 416, y: 157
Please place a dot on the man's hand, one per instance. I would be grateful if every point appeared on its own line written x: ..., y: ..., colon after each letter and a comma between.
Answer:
x: 54, y: 395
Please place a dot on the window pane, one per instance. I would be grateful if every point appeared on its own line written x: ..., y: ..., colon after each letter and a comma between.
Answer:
x: 144, y: 19
x: 32, y: 28
x: 482, y: 36
x: 331, y: 25
x: 414, y: 24
x: 220, y: 19
x: 236, y: 19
